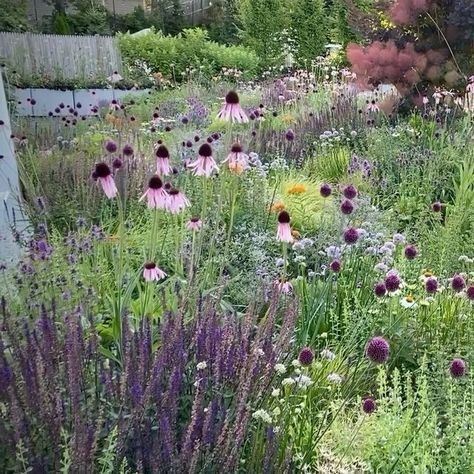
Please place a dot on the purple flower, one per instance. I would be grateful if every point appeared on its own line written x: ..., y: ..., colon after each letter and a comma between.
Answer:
x: 110, y: 146
x: 431, y: 285
x: 347, y: 207
x: 350, y: 192
x: 392, y: 282
x: 325, y: 190
x: 380, y: 289
x: 127, y: 150
x: 306, y: 356
x: 369, y: 405
x: 457, y: 368
x: 410, y: 252
x: 117, y: 163
x: 436, y: 206
x: 458, y: 283
x: 290, y: 135
x: 335, y: 266
x: 351, y: 235
x: 470, y: 293
x: 377, y: 350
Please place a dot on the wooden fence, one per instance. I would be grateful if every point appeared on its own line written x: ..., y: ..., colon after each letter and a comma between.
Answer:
x: 60, y: 56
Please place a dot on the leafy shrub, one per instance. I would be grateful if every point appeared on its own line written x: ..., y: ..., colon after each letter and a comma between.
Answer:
x: 175, y: 56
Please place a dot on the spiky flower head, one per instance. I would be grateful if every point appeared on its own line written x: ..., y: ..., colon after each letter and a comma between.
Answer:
x: 457, y: 368
x: 232, y: 97
x: 347, y: 207
x: 335, y: 266
x: 350, y: 191
x: 368, y: 405
x: 306, y: 356
x: 127, y: 150
x: 470, y: 292
x: 380, y: 289
x: 162, y: 152
x: 458, y: 283
x: 431, y: 285
x: 325, y: 190
x: 410, y: 252
x: 205, y: 150
x: 284, y: 217
x: 110, y: 146
x: 392, y: 282
x: 102, y: 170
x: 377, y: 350
x: 436, y: 206
x: 351, y: 235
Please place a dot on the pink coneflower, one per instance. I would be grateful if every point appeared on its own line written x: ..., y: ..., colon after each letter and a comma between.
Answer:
x: 163, y: 167
x: 205, y: 164
x: 194, y: 224
x: 103, y: 174
x: 284, y: 286
x: 115, y: 77
x: 232, y: 111
x: 115, y: 106
x: 177, y: 201
x: 152, y: 273
x: 284, y: 229
x: 156, y: 195
x: 237, y: 159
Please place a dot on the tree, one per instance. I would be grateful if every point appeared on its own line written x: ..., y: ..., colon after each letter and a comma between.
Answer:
x: 262, y: 21
x: 309, y: 24
x: 13, y: 15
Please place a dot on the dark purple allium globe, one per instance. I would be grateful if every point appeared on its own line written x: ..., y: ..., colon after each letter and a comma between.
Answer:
x: 458, y: 283
x: 325, y: 190
x: 436, y: 206
x: 350, y: 192
x: 431, y: 285
x: 410, y: 252
x: 377, y: 350
x: 127, y: 150
x: 347, y: 207
x: 369, y: 405
x: 380, y: 289
x: 110, y: 146
x: 189, y: 144
x: 392, y: 282
x: 184, y: 120
x: 470, y: 292
x: 196, y: 138
x: 335, y: 266
x: 306, y: 356
x: 457, y: 368
x: 351, y: 235
x: 117, y: 163
x: 290, y: 135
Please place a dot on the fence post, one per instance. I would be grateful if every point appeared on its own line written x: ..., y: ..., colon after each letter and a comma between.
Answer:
x: 11, y: 216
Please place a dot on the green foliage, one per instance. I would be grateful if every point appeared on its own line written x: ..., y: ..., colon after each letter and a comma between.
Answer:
x: 174, y: 56
x: 262, y: 21
x: 308, y: 21
x: 13, y: 15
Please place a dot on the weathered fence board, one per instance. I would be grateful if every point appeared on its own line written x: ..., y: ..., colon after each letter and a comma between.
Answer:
x: 63, y: 56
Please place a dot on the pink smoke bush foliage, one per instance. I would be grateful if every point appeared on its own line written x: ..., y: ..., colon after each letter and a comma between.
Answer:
x: 405, y: 12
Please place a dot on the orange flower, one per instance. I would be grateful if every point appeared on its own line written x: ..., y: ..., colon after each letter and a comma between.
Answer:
x: 114, y: 238
x: 236, y: 168
x: 279, y: 206
x: 297, y: 189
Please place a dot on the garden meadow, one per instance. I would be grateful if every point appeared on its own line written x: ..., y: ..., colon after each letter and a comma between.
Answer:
x: 256, y: 270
